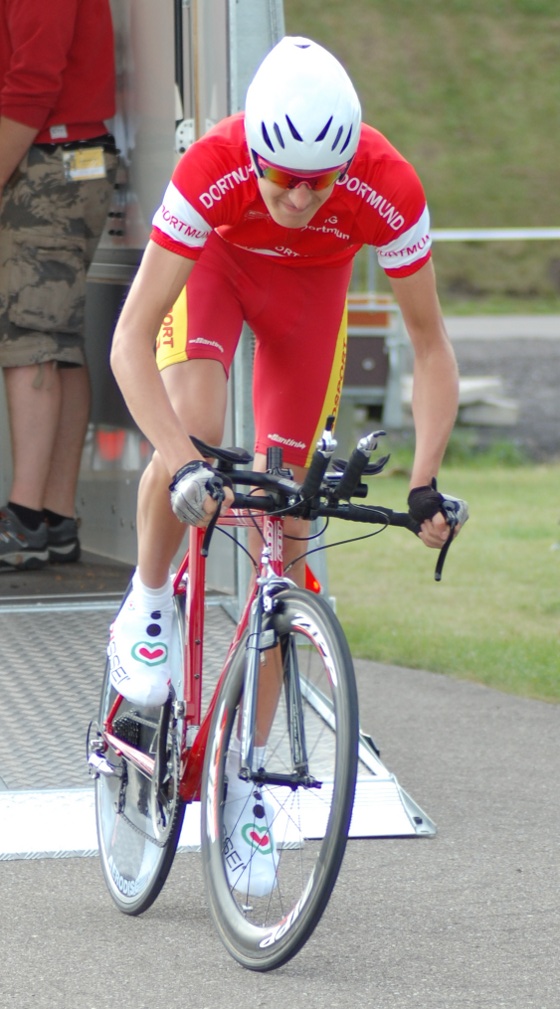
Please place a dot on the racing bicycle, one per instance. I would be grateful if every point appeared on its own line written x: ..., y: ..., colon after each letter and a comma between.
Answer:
x: 148, y: 764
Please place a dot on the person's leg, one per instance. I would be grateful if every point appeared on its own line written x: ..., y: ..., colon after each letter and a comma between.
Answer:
x: 33, y: 395
x: 48, y: 233
x: 75, y: 400
x: 140, y: 635
x: 298, y: 374
x: 198, y: 391
x: 195, y: 378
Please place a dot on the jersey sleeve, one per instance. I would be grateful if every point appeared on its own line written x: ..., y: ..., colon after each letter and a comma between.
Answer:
x: 178, y: 226
x: 410, y: 251
x: 393, y: 215
x: 208, y: 190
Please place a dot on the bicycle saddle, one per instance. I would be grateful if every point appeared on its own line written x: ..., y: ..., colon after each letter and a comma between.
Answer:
x: 227, y: 457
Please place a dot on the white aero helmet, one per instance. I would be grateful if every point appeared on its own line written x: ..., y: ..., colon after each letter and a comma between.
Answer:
x: 302, y: 111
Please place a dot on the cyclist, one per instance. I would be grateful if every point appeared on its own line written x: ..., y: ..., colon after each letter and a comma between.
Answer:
x: 260, y: 223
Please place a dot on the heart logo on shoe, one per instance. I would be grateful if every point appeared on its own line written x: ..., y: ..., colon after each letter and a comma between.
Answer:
x: 261, y: 841
x: 149, y: 654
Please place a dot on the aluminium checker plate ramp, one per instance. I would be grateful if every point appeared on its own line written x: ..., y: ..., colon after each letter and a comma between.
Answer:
x: 46, y: 798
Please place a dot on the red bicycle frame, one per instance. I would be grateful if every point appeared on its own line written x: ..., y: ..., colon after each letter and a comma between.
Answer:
x: 189, y: 582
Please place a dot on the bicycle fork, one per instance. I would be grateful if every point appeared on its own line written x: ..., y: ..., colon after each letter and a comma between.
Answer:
x: 263, y: 640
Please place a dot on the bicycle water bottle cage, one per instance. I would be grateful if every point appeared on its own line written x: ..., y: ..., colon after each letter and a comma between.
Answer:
x: 227, y: 457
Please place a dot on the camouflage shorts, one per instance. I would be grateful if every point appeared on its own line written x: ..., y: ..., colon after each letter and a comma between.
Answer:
x: 49, y: 230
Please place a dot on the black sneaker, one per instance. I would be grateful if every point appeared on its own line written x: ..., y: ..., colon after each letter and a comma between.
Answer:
x: 63, y: 543
x: 21, y: 549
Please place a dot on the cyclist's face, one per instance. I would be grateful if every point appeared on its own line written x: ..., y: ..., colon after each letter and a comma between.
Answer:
x: 292, y: 208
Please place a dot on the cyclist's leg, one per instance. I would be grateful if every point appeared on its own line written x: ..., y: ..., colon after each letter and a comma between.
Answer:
x: 299, y: 368
x: 196, y: 383
x: 194, y: 351
x: 299, y: 359
x: 197, y: 390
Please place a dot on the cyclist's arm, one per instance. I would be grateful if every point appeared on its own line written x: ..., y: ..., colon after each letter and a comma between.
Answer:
x: 158, y: 283
x: 436, y: 383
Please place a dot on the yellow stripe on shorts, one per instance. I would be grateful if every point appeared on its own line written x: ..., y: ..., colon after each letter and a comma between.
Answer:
x: 331, y: 401
x: 171, y: 343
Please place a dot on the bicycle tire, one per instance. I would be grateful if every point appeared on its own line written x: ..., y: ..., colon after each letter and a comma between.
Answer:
x: 137, y: 834
x: 310, y: 824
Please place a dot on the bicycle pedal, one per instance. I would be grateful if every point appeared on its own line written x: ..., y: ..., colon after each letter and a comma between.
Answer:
x: 100, y: 765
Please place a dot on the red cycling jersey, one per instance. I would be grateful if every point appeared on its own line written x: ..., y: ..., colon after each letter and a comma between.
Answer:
x: 380, y: 202
x: 249, y: 272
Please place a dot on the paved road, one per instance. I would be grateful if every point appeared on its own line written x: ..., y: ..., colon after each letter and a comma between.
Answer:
x: 523, y: 351
x: 467, y: 920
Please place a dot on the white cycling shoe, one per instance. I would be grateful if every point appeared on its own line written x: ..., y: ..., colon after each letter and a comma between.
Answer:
x: 249, y: 848
x: 138, y: 652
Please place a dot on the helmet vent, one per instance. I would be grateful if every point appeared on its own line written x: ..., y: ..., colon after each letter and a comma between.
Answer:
x: 346, y: 142
x: 279, y: 135
x: 337, y: 138
x: 293, y: 130
x: 325, y: 130
x: 266, y: 137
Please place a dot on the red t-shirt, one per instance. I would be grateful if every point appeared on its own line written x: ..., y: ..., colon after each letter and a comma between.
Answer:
x: 380, y: 203
x: 57, y: 71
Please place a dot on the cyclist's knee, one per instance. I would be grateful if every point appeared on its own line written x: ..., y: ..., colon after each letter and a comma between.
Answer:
x: 155, y: 477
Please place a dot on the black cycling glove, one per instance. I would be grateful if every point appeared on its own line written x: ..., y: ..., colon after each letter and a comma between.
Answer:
x: 425, y: 502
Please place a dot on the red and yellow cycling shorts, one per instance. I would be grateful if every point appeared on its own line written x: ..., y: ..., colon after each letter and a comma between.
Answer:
x: 298, y: 317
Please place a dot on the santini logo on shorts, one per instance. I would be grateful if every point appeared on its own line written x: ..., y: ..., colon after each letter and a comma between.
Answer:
x: 209, y: 343
x: 287, y: 441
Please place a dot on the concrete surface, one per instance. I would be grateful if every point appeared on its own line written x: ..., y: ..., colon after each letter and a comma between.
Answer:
x: 467, y: 920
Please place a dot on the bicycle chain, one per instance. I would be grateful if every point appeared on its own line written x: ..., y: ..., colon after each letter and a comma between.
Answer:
x: 121, y: 812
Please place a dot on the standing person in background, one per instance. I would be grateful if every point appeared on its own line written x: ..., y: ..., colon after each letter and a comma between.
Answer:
x: 57, y: 169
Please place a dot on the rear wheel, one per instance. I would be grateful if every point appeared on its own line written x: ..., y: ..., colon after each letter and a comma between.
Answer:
x: 303, y: 813
x: 138, y: 820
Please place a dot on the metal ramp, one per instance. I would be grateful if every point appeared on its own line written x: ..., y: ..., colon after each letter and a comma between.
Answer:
x: 46, y: 796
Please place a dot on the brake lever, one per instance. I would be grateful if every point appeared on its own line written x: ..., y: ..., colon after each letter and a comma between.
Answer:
x: 444, y: 551
x: 217, y: 493
x: 456, y: 513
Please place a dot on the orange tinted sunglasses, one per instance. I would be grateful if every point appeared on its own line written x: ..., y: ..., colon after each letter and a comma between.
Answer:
x: 290, y: 179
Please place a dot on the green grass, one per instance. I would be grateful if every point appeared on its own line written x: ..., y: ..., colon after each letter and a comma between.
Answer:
x: 469, y: 91
x: 500, y: 304
x: 494, y: 617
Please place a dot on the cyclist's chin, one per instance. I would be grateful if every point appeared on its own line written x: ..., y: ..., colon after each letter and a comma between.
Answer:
x: 290, y: 217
